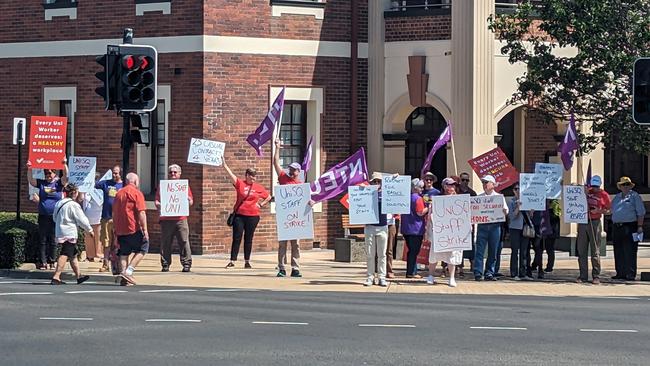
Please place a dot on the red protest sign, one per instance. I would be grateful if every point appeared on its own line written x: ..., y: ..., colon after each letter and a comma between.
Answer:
x: 47, y: 141
x: 495, y: 163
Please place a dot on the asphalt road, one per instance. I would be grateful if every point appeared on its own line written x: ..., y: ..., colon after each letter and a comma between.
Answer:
x: 94, y: 325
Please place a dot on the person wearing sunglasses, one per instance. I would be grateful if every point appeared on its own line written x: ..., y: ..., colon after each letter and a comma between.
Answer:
x: 463, y: 187
x: 628, y: 212
x: 175, y: 227
x: 412, y: 228
x: 50, y: 191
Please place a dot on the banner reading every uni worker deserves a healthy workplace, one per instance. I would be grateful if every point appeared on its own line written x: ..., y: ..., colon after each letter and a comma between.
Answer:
x: 47, y: 139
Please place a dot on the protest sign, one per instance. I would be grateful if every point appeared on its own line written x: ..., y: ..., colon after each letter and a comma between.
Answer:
x: 532, y: 191
x: 335, y: 181
x: 47, y: 138
x: 396, y: 194
x: 495, y: 163
x: 36, y: 174
x: 364, y: 204
x: 174, y: 198
x: 345, y: 199
x: 487, y: 209
x: 82, y: 172
x: 553, y: 174
x: 575, y: 208
x: 107, y: 176
x: 206, y: 152
x: 451, y: 227
x: 293, y: 215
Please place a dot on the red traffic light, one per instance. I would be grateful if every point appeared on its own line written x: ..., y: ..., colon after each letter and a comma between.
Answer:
x: 128, y: 62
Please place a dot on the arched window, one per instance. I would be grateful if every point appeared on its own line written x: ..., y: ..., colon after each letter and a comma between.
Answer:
x: 423, y: 127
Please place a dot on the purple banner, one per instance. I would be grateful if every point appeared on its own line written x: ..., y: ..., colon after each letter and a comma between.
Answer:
x: 306, y: 162
x: 335, y: 181
x: 588, y: 177
x: 264, y: 132
x: 569, y: 145
x: 444, y: 138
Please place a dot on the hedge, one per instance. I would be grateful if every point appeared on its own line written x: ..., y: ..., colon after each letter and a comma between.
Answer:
x: 19, y: 239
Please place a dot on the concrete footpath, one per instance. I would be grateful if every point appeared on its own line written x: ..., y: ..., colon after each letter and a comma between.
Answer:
x: 322, y: 273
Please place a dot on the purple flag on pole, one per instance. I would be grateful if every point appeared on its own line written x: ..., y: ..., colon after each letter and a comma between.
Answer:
x: 306, y: 162
x: 588, y: 178
x: 335, y: 181
x: 444, y: 138
x: 569, y: 145
x: 264, y: 132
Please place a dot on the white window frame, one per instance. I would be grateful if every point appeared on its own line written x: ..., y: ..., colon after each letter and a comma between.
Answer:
x: 300, y: 9
x: 51, y: 97
x: 164, y: 6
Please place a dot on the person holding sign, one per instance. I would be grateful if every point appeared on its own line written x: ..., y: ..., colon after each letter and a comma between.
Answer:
x: 488, y: 235
x: 49, y: 193
x: 175, y: 227
x: 589, y: 234
x: 518, y: 242
x: 412, y: 228
x: 92, y: 205
x: 628, y: 213
x: 110, y: 188
x: 452, y: 258
x: 376, y: 238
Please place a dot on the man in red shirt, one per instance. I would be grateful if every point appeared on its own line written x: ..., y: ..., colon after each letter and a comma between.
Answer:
x: 175, y: 226
x: 293, y: 177
x: 130, y: 223
x: 589, y: 235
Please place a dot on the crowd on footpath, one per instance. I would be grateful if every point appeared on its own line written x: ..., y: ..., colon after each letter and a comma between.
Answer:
x: 114, y: 222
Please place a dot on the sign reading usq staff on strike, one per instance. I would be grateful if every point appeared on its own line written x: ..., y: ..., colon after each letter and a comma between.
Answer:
x: 451, y: 227
x: 364, y: 204
x: 174, y: 197
x: 293, y: 215
x: 82, y: 172
x: 206, y: 152
x: 575, y: 208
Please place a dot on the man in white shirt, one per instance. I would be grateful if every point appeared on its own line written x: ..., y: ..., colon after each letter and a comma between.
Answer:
x: 488, y: 235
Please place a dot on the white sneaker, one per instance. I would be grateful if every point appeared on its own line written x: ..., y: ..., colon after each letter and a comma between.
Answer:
x: 383, y: 283
x: 516, y: 278
x: 369, y: 281
x: 431, y: 280
x: 452, y: 282
x: 527, y: 278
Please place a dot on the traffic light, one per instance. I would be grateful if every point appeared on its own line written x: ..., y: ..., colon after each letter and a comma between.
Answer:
x: 641, y: 92
x: 137, y: 78
x: 107, y: 77
x: 140, y: 128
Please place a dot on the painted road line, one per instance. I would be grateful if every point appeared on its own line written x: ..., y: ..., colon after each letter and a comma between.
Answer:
x: 610, y: 330
x: 279, y: 323
x: 621, y: 297
x: 231, y: 289
x: 96, y: 292
x: 22, y: 282
x: 175, y: 290
x: 173, y: 320
x: 74, y: 319
x: 24, y: 293
x: 499, y: 328
x: 387, y: 325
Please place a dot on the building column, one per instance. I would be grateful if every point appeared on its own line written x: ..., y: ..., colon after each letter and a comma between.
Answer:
x: 376, y: 63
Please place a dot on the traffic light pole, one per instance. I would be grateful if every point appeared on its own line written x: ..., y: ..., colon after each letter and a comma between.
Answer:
x: 126, y: 142
x: 20, y: 173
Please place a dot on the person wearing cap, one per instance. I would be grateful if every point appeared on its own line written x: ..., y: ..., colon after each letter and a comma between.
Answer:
x: 628, y: 212
x: 588, y: 239
x: 464, y: 188
x: 488, y: 235
x: 412, y: 228
x: 293, y: 177
x: 376, y: 239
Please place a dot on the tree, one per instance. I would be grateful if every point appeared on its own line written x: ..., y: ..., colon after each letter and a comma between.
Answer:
x: 595, y: 83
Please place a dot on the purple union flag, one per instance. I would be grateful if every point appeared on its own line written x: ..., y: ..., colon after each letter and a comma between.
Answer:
x: 264, y: 132
x: 569, y: 145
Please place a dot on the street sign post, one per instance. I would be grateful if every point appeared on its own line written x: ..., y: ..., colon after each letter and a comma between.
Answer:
x: 19, y: 139
x: 19, y: 130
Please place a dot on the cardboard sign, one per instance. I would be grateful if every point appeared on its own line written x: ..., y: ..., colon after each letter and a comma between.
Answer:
x: 451, y: 227
x: 294, y: 217
x: 206, y: 152
x: 82, y: 172
x: 553, y: 174
x: 396, y: 194
x: 36, y: 174
x: 495, y: 163
x: 364, y: 204
x: 532, y: 191
x: 575, y: 208
x: 487, y: 209
x: 345, y: 199
x: 174, y: 198
x: 47, y: 141
x: 107, y: 176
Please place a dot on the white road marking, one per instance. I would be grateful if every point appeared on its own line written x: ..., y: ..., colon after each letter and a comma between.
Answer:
x: 387, y: 325
x: 174, y: 320
x: 79, y: 319
x: 499, y: 328
x: 174, y: 290
x: 231, y: 289
x: 95, y: 292
x: 22, y: 282
x: 25, y: 293
x: 611, y: 330
x: 280, y: 323
x: 621, y: 297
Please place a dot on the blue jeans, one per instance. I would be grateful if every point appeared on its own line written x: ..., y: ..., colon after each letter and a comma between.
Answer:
x: 487, y: 235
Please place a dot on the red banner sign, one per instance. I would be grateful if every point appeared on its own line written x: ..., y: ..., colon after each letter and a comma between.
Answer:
x: 495, y: 163
x: 47, y: 141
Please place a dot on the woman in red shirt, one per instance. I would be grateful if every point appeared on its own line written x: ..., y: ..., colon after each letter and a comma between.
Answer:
x: 250, y: 198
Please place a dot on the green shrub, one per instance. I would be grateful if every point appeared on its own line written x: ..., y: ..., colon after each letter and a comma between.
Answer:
x: 12, y: 247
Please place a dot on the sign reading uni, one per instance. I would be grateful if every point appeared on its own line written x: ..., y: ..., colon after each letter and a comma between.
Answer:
x: 47, y: 138
x: 174, y: 199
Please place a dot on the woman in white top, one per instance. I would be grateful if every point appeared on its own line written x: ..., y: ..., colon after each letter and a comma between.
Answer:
x: 452, y: 258
x: 67, y: 216
x: 92, y: 205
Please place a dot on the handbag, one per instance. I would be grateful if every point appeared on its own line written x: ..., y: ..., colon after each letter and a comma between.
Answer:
x: 231, y: 218
x: 528, y: 230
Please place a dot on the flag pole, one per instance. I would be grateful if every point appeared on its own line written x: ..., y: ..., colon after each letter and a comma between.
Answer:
x: 453, y: 149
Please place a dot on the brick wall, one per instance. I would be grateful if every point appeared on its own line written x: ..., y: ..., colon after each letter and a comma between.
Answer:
x: 418, y: 28
x: 539, y: 139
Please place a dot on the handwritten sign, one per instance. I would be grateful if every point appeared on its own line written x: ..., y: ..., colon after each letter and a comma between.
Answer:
x: 107, y: 176
x: 496, y: 163
x: 206, y: 152
x: 532, y: 188
x: 82, y: 172
x: 451, y: 227
x: 47, y: 141
x: 174, y: 199
x: 294, y: 217
x: 36, y: 174
x: 487, y: 209
x: 575, y: 208
x: 396, y: 194
x: 553, y: 174
x: 364, y: 204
